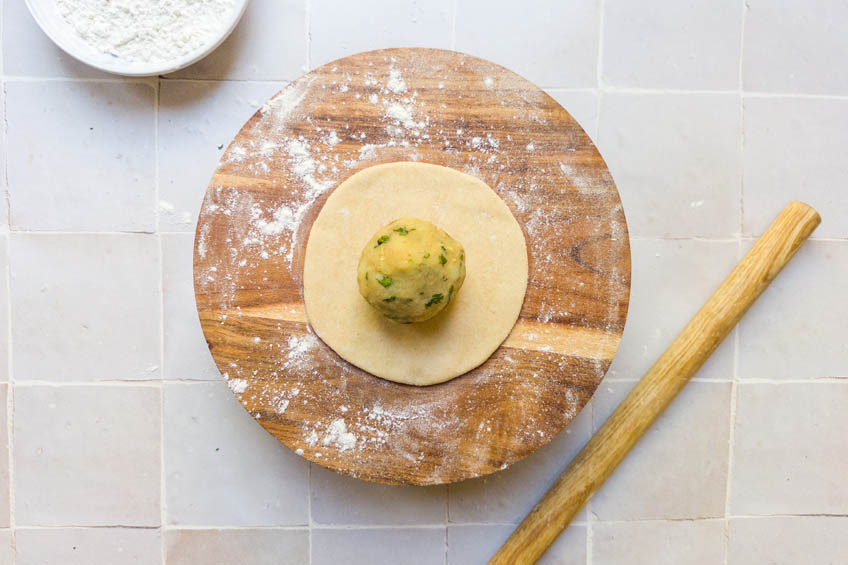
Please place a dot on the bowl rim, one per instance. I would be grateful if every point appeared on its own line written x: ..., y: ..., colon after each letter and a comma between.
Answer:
x: 143, y: 70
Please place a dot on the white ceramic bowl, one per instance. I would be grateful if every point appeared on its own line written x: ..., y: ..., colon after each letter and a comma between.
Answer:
x: 63, y: 35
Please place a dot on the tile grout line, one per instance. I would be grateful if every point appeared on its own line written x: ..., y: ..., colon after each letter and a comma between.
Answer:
x: 771, y: 516
x: 748, y: 381
x: 597, y: 92
x: 10, y: 400
x: 189, y: 527
x: 80, y: 80
x: 10, y: 386
x: 663, y: 520
x: 162, y: 490
x: 695, y: 92
x: 742, y: 117
x: 447, y: 544
x: 367, y: 527
x: 599, y: 71
x: 156, y: 95
x: 731, y: 432
x: 454, y: 7
x: 558, y: 88
x: 447, y: 520
x: 379, y: 526
x: 731, y: 439
x: 800, y: 95
x: 307, y: 13
x: 150, y: 383
x: 222, y: 81
x: 158, y: 236
x: 586, y: 90
x: 85, y: 232
x: 311, y: 525
x: 6, y: 193
x: 157, y: 90
x: 590, y: 516
x: 667, y: 91
x: 742, y: 166
x: 734, y: 387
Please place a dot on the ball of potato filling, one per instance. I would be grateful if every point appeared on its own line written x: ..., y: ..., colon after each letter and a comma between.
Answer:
x: 410, y: 270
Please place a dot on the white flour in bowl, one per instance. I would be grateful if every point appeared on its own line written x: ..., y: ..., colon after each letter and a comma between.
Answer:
x: 150, y: 31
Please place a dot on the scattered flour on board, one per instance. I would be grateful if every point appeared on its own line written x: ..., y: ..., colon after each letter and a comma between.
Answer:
x: 338, y: 435
x: 238, y: 386
x: 299, y: 345
x: 285, y: 219
x: 403, y: 114
x: 580, y: 182
x: 396, y: 83
x: 236, y: 154
x: 368, y: 151
x: 332, y: 138
x: 312, y: 438
x: 202, y: 238
x: 304, y: 166
x: 282, y: 405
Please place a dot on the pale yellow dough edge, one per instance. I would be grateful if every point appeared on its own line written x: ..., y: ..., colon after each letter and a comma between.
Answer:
x: 471, y: 328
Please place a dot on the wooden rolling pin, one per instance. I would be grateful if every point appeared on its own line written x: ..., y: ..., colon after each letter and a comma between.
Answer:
x: 690, y: 349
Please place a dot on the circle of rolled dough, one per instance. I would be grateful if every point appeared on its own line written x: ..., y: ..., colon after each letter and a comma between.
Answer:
x: 466, y: 333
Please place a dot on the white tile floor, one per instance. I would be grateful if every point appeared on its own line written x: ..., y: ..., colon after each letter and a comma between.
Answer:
x: 124, y: 446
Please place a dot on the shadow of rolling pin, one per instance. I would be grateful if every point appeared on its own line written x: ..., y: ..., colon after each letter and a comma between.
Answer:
x: 689, y: 350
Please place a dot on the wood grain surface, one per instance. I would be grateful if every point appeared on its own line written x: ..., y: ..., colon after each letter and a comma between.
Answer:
x: 660, y: 385
x: 437, y: 107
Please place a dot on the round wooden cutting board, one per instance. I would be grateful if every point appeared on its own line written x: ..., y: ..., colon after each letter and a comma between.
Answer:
x: 436, y: 107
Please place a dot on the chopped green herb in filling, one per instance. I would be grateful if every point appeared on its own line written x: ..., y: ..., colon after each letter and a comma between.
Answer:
x: 384, y: 280
x: 403, y: 230
x: 450, y: 294
x: 442, y: 259
x: 383, y: 239
x: 366, y: 275
x: 426, y: 255
x: 435, y: 299
x: 390, y: 299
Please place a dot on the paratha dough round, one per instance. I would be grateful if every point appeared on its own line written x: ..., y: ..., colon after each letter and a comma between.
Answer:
x: 482, y: 315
